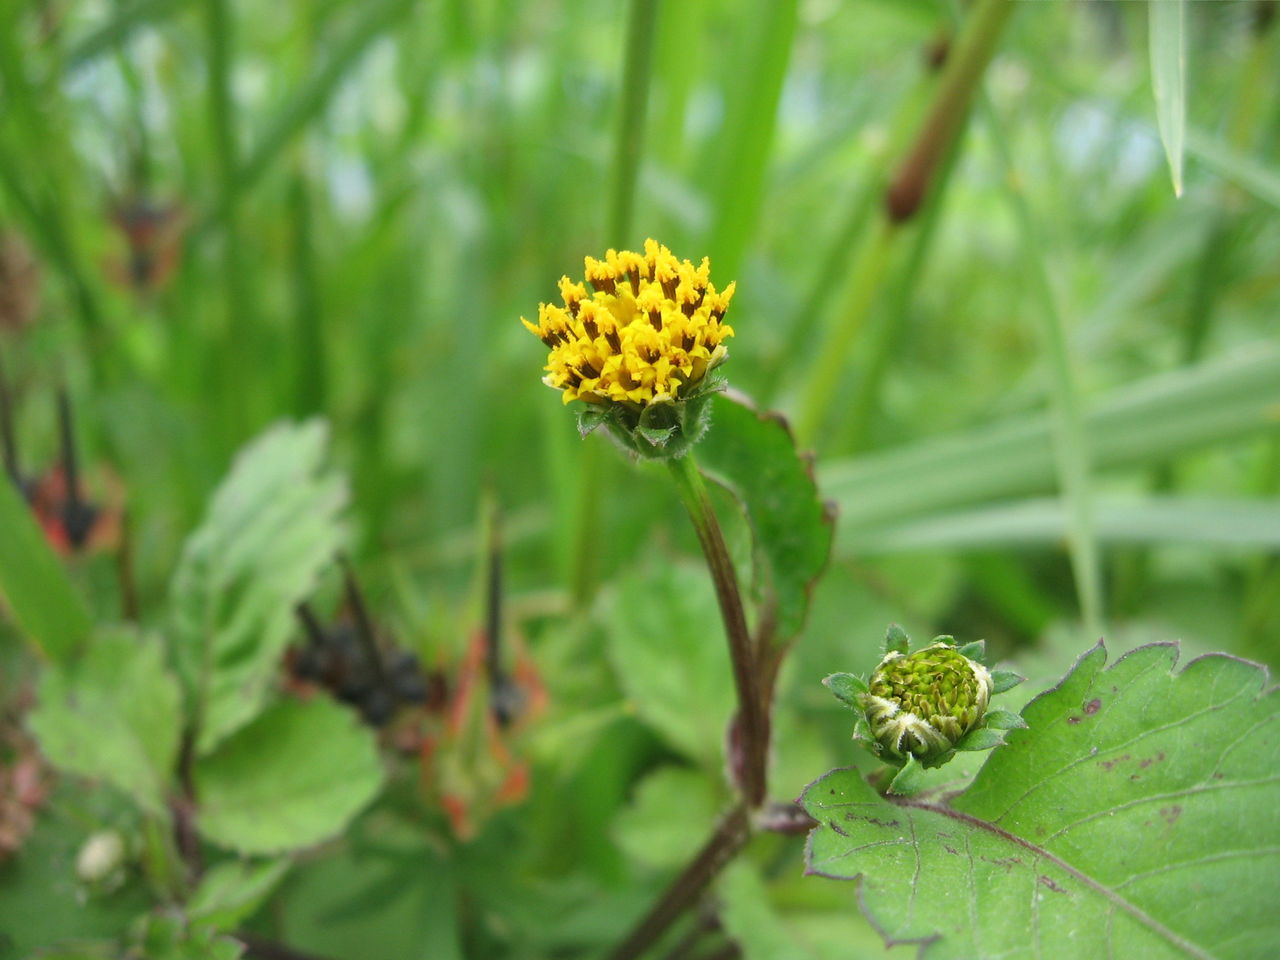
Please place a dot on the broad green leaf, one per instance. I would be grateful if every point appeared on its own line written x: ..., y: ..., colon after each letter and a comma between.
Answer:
x: 34, y: 588
x: 389, y: 904
x: 271, y: 527
x: 751, y: 920
x: 1134, y: 817
x: 292, y: 778
x: 167, y: 936
x: 753, y: 455
x: 233, y: 890
x: 113, y: 714
x: 44, y: 908
x: 1167, y: 20
x: 666, y: 644
x: 673, y: 811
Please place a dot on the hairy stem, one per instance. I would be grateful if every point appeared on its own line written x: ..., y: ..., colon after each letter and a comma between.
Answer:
x: 752, y: 724
x: 724, y: 843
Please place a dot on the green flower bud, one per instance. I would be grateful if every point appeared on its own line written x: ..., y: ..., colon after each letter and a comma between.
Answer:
x: 922, y: 704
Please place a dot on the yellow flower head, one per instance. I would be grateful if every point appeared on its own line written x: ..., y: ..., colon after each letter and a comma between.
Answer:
x: 648, y: 333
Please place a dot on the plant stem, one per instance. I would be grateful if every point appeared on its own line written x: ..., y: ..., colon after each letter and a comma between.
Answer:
x: 752, y: 724
x: 1070, y: 443
x: 729, y: 837
x: 631, y: 120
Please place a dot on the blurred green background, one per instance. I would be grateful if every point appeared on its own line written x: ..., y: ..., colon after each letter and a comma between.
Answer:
x: 1047, y: 407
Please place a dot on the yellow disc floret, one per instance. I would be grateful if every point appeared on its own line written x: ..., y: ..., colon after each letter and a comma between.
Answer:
x: 649, y: 331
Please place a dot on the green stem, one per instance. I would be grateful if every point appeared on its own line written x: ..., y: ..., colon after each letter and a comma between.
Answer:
x: 752, y: 722
x: 1070, y: 445
x: 960, y: 77
x: 864, y: 284
x: 631, y: 118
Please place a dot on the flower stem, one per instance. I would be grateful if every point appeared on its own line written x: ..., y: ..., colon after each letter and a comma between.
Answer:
x: 730, y: 836
x: 752, y: 724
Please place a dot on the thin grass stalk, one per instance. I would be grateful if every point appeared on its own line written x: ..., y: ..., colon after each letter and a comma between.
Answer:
x: 126, y: 19
x: 240, y: 331
x: 886, y: 334
x: 829, y: 367
x: 1071, y: 451
x: 907, y: 191
x: 583, y: 518
x: 629, y: 140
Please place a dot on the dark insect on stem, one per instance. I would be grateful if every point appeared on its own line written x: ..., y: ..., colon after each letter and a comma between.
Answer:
x: 507, y: 699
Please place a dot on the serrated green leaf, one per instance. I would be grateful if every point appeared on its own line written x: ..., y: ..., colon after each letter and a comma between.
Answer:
x: 270, y: 528
x: 1135, y: 817
x: 34, y: 588
x: 667, y: 649
x: 847, y: 688
x: 232, y: 891
x: 753, y: 455
x: 908, y: 779
x: 114, y: 714
x: 1002, y: 680
x: 292, y: 778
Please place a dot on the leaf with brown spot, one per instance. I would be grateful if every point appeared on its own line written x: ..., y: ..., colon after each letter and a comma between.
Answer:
x: 1145, y: 827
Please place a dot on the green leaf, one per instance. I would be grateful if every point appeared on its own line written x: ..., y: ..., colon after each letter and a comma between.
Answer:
x: 33, y: 584
x: 673, y: 811
x: 114, y: 714
x: 1135, y: 817
x: 751, y: 919
x: 1004, y: 720
x: 1149, y: 422
x: 975, y: 650
x: 1245, y: 171
x: 1167, y: 20
x: 292, y: 778
x: 232, y: 891
x: 1002, y: 680
x: 982, y: 738
x: 847, y: 688
x: 753, y: 455
x: 896, y: 640
x: 270, y: 528
x: 1210, y: 523
x: 908, y: 779
x: 666, y: 644
x: 166, y: 936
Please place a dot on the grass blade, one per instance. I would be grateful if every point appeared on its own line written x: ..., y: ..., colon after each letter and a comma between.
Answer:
x: 1145, y: 423
x: 1071, y: 449
x: 1246, y: 172
x: 1167, y: 20
x: 1202, y: 522
x: 631, y: 119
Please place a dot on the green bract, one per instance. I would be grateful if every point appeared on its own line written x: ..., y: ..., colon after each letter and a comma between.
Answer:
x: 919, y: 708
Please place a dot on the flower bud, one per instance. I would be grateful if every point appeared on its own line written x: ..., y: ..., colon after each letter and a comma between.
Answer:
x: 922, y: 704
